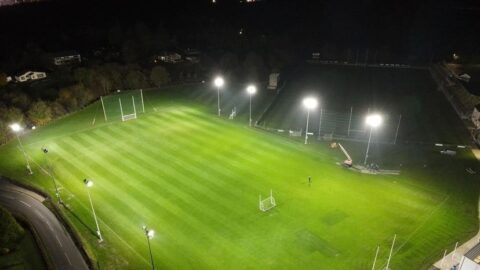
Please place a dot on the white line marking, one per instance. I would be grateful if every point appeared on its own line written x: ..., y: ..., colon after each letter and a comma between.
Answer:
x: 49, y: 226
x: 68, y: 259
x: 58, y: 240
x: 25, y: 203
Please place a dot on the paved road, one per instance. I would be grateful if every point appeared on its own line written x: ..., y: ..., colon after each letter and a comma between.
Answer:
x: 58, y: 243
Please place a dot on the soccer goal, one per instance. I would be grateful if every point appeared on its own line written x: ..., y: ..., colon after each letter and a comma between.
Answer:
x: 124, y: 105
x: 266, y: 204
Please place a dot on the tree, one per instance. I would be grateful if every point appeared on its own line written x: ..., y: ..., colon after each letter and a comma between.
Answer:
x: 12, y: 232
x: 136, y: 79
x: 159, y: 76
x: 13, y: 115
x: 3, y: 79
x: 40, y: 113
x: 58, y: 109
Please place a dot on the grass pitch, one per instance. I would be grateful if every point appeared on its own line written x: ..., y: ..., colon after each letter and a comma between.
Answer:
x: 195, y: 179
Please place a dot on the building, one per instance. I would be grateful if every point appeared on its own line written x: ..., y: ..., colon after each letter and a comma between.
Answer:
x: 471, y: 259
x: 168, y: 57
x: 30, y: 76
x: 476, y: 116
x: 66, y: 58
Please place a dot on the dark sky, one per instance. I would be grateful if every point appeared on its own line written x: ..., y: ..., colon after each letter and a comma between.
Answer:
x: 402, y: 25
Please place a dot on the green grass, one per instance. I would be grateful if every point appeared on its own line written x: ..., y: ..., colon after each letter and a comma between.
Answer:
x: 195, y: 180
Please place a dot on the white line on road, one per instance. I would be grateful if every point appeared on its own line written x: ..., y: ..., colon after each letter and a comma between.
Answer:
x: 68, y: 259
x: 25, y: 203
x: 38, y: 213
x: 58, y: 241
x: 49, y: 226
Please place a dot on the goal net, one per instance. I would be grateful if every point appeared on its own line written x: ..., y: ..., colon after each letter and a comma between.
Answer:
x: 266, y: 204
x: 123, y: 105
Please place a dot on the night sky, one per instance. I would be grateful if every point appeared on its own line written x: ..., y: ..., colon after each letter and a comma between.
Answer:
x: 406, y: 27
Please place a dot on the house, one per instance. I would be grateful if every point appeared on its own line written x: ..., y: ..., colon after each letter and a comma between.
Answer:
x: 192, y: 55
x: 471, y: 259
x: 30, y: 76
x: 476, y: 116
x: 167, y: 57
x: 66, y: 58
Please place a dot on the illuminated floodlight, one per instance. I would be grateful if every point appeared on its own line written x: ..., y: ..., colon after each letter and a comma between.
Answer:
x: 88, y: 182
x: 374, y: 120
x: 15, y: 127
x: 310, y: 103
x: 150, y: 234
x: 218, y: 82
x: 251, y: 89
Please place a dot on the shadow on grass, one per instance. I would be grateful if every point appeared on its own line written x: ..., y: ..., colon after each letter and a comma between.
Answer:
x: 92, y: 231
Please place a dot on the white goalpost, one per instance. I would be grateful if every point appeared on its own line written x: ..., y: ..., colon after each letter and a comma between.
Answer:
x: 126, y: 117
x: 118, y: 106
x: 266, y: 204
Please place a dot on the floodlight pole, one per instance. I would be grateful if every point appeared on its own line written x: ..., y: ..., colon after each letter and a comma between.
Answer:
x: 398, y: 127
x: 24, y: 153
x: 99, y: 234
x: 391, y: 251
x: 250, y: 117
x: 50, y: 171
x: 103, y: 106
x: 320, y: 123
x: 218, y: 100
x: 350, y: 120
x: 149, y: 247
x: 306, y: 128
x: 368, y: 146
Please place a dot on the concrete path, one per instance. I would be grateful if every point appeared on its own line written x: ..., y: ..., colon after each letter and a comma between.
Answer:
x: 59, y: 245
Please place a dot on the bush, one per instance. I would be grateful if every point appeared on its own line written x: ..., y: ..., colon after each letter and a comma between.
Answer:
x: 12, y: 232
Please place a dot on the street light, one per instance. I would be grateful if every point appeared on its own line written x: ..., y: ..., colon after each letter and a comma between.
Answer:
x: 218, y: 82
x: 89, y: 183
x: 374, y: 121
x: 251, y: 90
x: 49, y: 168
x: 310, y: 103
x: 16, y: 128
x: 149, y: 234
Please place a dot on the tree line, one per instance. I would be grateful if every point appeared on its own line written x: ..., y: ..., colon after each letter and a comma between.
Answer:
x: 88, y: 84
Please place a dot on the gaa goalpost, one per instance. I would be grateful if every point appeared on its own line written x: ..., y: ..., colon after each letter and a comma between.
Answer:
x: 124, y: 105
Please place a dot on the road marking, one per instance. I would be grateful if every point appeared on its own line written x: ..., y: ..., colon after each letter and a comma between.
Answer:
x: 25, y: 203
x: 38, y: 213
x: 49, y: 226
x: 68, y: 259
x: 58, y: 240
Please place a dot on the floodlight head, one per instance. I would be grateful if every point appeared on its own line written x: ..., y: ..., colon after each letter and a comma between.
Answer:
x: 218, y: 82
x: 88, y: 182
x: 150, y: 234
x: 251, y: 89
x: 310, y: 103
x: 374, y: 120
x: 15, y: 127
x: 34, y: 127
